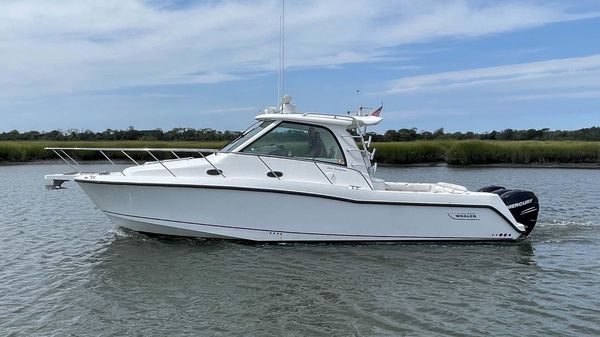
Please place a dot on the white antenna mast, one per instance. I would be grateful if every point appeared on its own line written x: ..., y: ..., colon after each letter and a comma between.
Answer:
x: 282, y: 48
x: 281, y: 70
x: 358, y: 107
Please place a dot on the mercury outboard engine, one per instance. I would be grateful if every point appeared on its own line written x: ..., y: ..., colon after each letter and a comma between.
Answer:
x: 523, y: 205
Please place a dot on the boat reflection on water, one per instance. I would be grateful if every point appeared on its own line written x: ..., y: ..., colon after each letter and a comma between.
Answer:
x: 301, y: 287
x: 139, y: 260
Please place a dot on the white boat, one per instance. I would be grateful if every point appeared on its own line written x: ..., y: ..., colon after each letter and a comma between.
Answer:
x: 295, y: 177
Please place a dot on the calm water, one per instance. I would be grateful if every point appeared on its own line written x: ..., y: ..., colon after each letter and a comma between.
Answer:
x: 66, y: 270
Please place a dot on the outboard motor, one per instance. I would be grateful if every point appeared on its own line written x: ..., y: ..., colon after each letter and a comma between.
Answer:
x: 523, y: 205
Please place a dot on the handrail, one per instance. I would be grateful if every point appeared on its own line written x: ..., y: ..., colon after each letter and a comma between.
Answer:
x: 132, y: 149
x: 367, y: 156
x: 160, y: 162
x: 186, y: 150
x: 63, y: 159
x: 348, y: 118
x: 351, y: 118
x: 305, y: 160
x: 211, y: 164
x: 124, y: 151
x: 342, y: 117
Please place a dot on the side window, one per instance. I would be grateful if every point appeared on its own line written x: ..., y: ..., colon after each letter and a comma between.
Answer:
x: 298, y: 140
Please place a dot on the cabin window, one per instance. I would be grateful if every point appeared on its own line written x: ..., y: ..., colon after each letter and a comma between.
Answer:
x: 300, y: 141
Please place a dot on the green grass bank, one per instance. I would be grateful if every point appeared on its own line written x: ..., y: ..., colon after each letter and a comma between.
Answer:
x: 26, y: 151
x: 476, y: 152
x: 452, y: 152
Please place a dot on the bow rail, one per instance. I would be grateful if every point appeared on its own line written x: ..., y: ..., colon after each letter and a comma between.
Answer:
x: 69, y: 160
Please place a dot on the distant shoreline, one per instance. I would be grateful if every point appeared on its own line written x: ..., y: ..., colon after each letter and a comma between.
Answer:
x: 453, y: 153
x: 573, y: 166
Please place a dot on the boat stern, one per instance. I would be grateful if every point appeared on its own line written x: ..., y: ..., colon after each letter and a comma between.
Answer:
x: 523, y: 205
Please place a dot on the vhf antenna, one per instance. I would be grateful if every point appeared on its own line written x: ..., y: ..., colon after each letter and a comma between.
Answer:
x: 281, y: 70
x: 358, y: 107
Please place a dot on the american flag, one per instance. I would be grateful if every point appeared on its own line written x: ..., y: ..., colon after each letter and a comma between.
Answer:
x: 376, y: 112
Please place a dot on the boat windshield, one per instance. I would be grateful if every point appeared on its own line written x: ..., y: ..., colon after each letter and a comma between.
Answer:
x: 249, y: 133
x: 299, y: 140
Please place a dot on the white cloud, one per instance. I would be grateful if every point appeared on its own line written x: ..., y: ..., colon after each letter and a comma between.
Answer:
x: 556, y: 95
x: 49, y: 47
x: 575, y: 72
x: 420, y: 113
x: 232, y: 110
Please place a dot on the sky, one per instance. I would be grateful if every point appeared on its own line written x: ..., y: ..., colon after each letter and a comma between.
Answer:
x: 457, y: 64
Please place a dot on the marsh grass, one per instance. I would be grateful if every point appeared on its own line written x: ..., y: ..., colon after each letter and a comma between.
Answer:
x: 456, y: 152
x: 24, y: 151
x: 411, y: 152
x: 452, y: 152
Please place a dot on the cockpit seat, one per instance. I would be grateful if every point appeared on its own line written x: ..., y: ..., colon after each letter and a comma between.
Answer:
x: 440, y: 187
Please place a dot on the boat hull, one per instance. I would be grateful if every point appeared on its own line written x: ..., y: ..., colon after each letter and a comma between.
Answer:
x: 263, y: 214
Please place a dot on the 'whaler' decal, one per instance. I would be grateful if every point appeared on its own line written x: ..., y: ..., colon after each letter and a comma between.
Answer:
x: 463, y: 216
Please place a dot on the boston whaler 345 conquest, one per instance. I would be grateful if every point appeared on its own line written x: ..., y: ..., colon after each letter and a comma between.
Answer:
x: 295, y: 177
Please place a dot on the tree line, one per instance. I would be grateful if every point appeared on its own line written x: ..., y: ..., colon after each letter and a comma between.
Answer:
x: 186, y: 134
x: 190, y: 134
x: 586, y: 134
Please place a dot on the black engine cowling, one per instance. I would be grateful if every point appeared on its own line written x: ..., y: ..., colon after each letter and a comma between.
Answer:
x: 523, y: 205
x: 491, y: 189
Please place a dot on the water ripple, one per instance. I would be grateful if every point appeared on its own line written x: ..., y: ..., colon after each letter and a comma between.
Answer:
x: 66, y: 270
